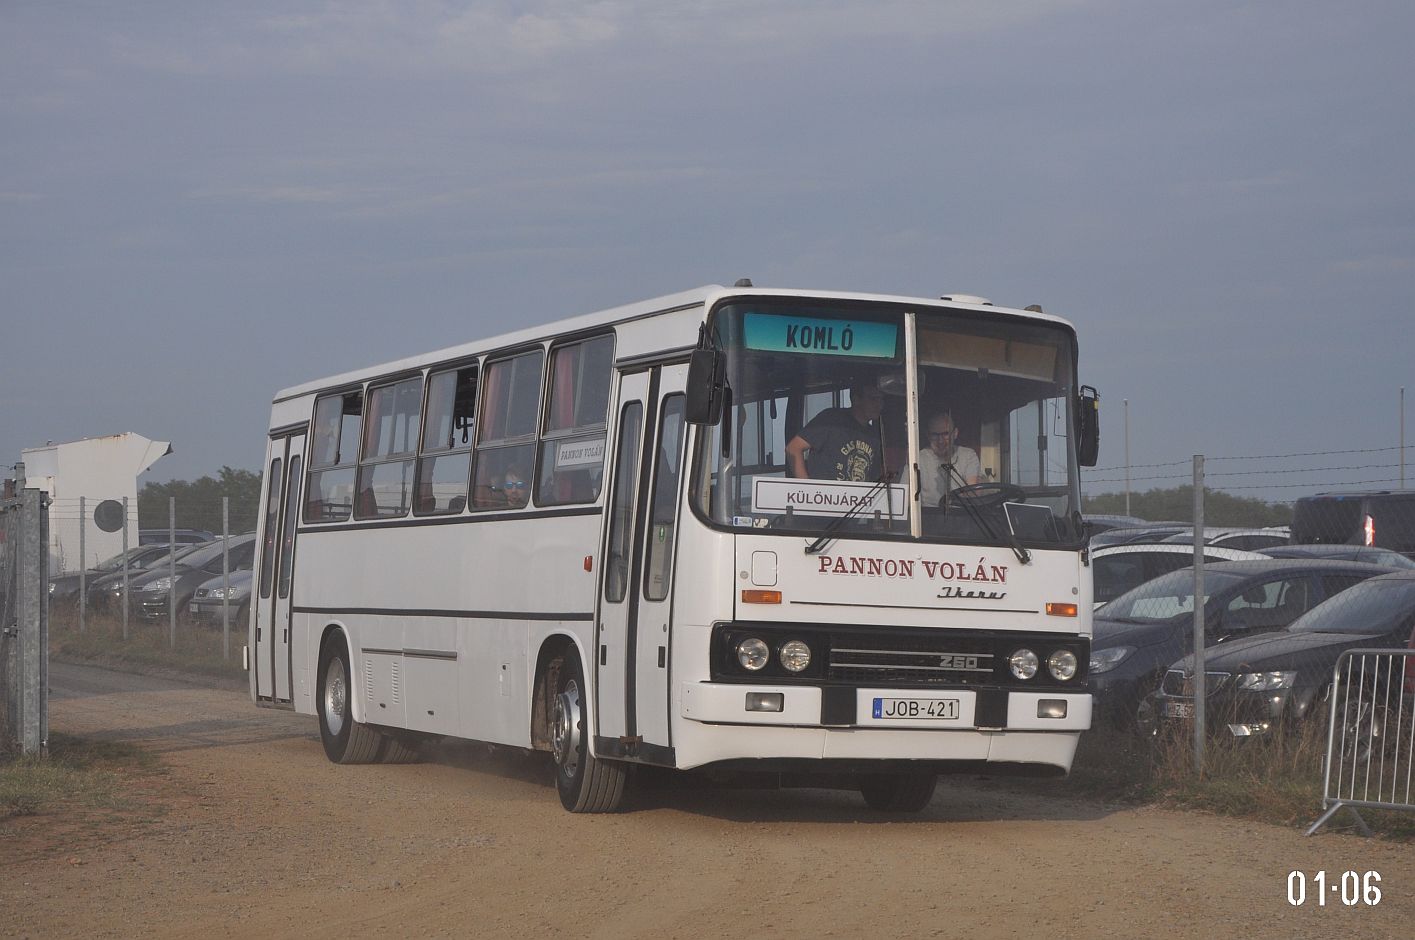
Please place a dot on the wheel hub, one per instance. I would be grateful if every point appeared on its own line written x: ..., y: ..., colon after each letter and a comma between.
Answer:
x: 335, y: 697
x: 565, y: 730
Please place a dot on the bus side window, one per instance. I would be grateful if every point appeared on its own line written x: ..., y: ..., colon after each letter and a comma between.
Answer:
x: 445, y: 460
x: 621, y: 512
x: 505, y: 446
x: 334, y: 455
x: 571, y: 466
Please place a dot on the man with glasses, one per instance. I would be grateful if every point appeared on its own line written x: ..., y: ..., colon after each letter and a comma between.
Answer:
x: 943, y: 465
x: 515, y: 488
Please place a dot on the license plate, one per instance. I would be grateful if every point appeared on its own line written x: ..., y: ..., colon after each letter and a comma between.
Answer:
x: 942, y: 709
x: 1179, y: 709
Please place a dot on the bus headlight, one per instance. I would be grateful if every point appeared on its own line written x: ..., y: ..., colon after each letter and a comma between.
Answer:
x: 795, y: 656
x: 1024, y: 663
x: 1062, y: 664
x: 753, y: 654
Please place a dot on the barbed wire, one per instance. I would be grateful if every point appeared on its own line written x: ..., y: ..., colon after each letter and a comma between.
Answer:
x: 1312, y: 453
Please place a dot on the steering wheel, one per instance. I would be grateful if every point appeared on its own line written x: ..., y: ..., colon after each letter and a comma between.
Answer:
x: 988, y: 495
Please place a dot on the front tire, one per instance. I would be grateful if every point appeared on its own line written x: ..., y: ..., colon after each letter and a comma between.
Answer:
x: 346, y: 741
x: 898, y: 793
x: 585, y: 783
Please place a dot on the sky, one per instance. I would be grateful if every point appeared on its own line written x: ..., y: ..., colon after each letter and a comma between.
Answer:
x: 201, y: 204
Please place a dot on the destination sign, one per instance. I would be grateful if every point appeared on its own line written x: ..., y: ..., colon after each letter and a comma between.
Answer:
x: 867, y: 339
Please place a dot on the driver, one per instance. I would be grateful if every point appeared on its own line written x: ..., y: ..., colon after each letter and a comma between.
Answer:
x: 943, y: 465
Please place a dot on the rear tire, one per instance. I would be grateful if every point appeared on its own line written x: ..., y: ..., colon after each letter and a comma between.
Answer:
x: 346, y: 741
x: 898, y: 793
x: 585, y: 783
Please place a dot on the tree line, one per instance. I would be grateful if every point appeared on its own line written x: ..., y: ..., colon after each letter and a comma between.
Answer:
x: 1177, y: 505
x: 199, y: 502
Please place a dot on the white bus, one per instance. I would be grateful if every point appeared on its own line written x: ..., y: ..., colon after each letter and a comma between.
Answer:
x: 595, y: 538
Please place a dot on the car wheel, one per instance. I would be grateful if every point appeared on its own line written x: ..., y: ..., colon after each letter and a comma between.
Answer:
x: 346, y: 741
x: 585, y: 783
x: 898, y: 793
x: 1367, y: 729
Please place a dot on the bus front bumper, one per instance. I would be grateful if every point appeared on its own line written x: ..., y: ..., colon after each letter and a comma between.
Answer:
x: 993, y: 727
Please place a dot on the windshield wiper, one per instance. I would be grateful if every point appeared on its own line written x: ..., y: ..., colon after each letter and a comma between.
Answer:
x: 1014, y: 543
x: 828, y: 534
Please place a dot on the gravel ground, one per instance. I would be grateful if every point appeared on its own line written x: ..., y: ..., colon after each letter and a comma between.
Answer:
x: 252, y: 832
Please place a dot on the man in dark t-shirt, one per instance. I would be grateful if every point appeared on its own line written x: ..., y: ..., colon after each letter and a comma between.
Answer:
x: 840, y: 443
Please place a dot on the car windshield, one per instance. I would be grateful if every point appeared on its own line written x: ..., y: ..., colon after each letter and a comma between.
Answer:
x: 199, y: 555
x: 1371, y: 607
x: 817, y: 424
x: 1167, y: 597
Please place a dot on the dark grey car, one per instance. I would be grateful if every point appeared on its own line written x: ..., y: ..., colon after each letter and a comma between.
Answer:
x: 1256, y: 683
x: 149, y: 594
x: 1139, y: 634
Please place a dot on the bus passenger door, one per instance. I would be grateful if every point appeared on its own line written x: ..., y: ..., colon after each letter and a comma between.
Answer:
x: 272, y: 661
x: 614, y: 650
x: 652, y: 622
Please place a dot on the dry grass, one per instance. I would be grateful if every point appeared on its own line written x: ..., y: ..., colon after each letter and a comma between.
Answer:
x: 76, y: 772
x: 198, y: 650
x: 1276, y: 780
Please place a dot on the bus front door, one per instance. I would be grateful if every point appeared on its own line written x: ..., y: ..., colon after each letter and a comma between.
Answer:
x: 614, y: 649
x: 272, y: 663
x: 636, y: 597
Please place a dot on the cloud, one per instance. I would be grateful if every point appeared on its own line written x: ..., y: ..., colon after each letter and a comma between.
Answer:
x: 506, y: 37
x: 1377, y: 264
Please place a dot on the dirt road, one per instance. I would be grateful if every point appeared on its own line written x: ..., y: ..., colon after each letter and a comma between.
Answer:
x: 262, y: 836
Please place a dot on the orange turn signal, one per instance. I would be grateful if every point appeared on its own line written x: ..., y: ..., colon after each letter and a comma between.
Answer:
x: 761, y: 597
x: 1061, y: 610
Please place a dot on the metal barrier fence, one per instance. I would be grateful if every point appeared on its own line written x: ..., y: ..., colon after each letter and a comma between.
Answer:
x: 1370, y: 755
x: 24, y: 624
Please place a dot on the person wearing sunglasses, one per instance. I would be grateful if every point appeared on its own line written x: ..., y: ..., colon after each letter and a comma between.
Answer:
x: 515, y: 487
x: 943, y: 465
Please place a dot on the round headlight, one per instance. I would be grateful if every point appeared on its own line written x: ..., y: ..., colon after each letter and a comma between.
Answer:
x: 795, y: 656
x: 753, y: 654
x: 1062, y: 664
x: 1024, y: 663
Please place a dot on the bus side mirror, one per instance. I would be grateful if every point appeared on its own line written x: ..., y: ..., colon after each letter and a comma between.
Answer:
x: 1088, y: 426
x: 706, y: 379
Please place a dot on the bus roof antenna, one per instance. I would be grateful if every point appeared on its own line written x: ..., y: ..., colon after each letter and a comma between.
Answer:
x: 743, y: 282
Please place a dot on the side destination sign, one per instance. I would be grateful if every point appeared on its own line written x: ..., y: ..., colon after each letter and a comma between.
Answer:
x: 834, y: 337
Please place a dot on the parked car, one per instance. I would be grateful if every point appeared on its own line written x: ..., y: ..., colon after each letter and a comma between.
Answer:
x: 1149, y: 532
x: 107, y: 591
x: 181, y: 536
x: 1139, y: 634
x: 1374, y: 556
x: 149, y: 594
x: 1256, y: 683
x: 64, y: 588
x: 1096, y: 523
x: 1252, y: 540
x: 1383, y: 519
x: 1120, y: 568
x: 207, y: 602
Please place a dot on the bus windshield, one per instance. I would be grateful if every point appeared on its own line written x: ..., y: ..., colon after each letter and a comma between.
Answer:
x: 817, y: 424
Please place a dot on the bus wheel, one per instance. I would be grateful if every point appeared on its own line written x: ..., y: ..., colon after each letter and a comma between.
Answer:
x: 586, y: 784
x: 346, y: 741
x: 898, y: 793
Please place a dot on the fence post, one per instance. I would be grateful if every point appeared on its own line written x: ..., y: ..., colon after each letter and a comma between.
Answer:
x: 1200, y: 684
x: 225, y: 577
x: 172, y: 572
x: 126, y: 526
x: 33, y: 585
x: 83, y: 560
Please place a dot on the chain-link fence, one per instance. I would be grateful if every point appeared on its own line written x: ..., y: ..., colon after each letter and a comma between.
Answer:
x: 24, y: 628
x: 1251, y: 665
x: 127, y: 570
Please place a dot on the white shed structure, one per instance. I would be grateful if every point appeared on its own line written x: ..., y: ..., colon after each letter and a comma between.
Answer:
x: 94, y: 469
